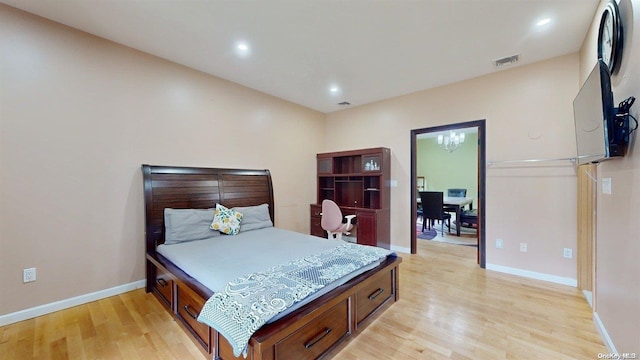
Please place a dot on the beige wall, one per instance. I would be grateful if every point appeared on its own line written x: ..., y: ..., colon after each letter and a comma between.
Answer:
x: 79, y: 115
x: 529, y: 115
x: 617, y: 295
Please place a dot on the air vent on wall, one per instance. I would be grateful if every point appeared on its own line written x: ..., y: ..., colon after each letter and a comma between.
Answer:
x: 344, y: 103
x: 506, y: 61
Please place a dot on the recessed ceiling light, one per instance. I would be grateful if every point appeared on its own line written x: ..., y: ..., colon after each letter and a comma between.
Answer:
x: 334, y: 89
x: 242, y: 49
x: 543, y: 22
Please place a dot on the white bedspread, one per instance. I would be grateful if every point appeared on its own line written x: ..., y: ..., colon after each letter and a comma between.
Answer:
x: 216, y: 261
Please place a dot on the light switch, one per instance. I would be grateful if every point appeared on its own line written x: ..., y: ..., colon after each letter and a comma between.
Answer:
x: 606, y: 186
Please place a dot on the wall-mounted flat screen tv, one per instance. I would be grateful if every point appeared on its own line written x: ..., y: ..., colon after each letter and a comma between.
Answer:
x: 595, y: 118
x: 602, y: 130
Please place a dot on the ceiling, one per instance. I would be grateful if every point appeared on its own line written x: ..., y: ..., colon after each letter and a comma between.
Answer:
x: 369, y: 50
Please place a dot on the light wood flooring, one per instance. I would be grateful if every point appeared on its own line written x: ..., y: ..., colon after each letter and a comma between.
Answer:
x: 448, y: 309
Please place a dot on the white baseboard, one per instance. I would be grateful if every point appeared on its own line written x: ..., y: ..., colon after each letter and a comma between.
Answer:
x: 604, y: 334
x: 533, y: 275
x: 67, y: 303
x: 401, y: 249
x: 589, y: 296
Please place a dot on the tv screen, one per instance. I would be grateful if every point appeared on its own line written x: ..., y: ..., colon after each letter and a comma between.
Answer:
x: 594, y: 116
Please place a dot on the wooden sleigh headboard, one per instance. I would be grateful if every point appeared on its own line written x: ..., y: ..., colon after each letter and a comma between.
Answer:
x: 199, y: 188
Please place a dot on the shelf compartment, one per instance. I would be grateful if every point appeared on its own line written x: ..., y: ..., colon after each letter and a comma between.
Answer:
x: 372, y: 182
x: 325, y: 182
x: 372, y: 199
x: 349, y: 193
x: 347, y: 164
x: 343, y: 179
x: 325, y: 166
x: 326, y: 194
x: 371, y: 163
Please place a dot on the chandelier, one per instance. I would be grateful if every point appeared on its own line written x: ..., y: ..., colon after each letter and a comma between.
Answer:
x: 450, y: 142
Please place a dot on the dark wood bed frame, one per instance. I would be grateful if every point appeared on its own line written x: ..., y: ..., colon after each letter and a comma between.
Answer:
x: 315, y: 330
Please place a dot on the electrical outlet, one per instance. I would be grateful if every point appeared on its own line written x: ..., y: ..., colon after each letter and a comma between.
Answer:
x: 523, y: 247
x: 568, y: 253
x: 28, y: 275
x: 499, y: 244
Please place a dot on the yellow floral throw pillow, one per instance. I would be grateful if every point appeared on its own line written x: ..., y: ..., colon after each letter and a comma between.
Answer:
x: 226, y: 220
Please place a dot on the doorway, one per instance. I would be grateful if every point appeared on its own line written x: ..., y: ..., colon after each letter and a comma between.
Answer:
x: 480, y: 125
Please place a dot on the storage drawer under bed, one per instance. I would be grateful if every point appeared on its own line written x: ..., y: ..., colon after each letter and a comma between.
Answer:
x: 370, y: 297
x: 316, y: 337
x: 163, y: 287
x: 188, y: 308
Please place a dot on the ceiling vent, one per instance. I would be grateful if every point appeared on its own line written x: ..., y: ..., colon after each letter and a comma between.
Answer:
x: 344, y: 103
x: 506, y: 61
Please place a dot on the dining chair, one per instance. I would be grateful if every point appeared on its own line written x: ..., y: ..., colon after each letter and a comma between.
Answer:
x: 432, y: 209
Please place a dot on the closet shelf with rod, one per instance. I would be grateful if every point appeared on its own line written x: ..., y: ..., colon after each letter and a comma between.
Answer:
x: 527, y: 161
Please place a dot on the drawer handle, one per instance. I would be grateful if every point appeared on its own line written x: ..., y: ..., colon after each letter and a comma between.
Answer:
x: 317, y: 338
x: 162, y: 282
x: 188, y: 311
x: 376, y: 293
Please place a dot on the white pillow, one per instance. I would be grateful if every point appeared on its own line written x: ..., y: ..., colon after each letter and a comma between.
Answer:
x: 254, y: 217
x: 182, y: 225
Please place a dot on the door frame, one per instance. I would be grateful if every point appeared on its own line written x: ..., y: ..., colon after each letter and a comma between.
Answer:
x: 481, y: 153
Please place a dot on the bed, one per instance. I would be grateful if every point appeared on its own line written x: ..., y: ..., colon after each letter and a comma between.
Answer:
x: 312, y: 330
